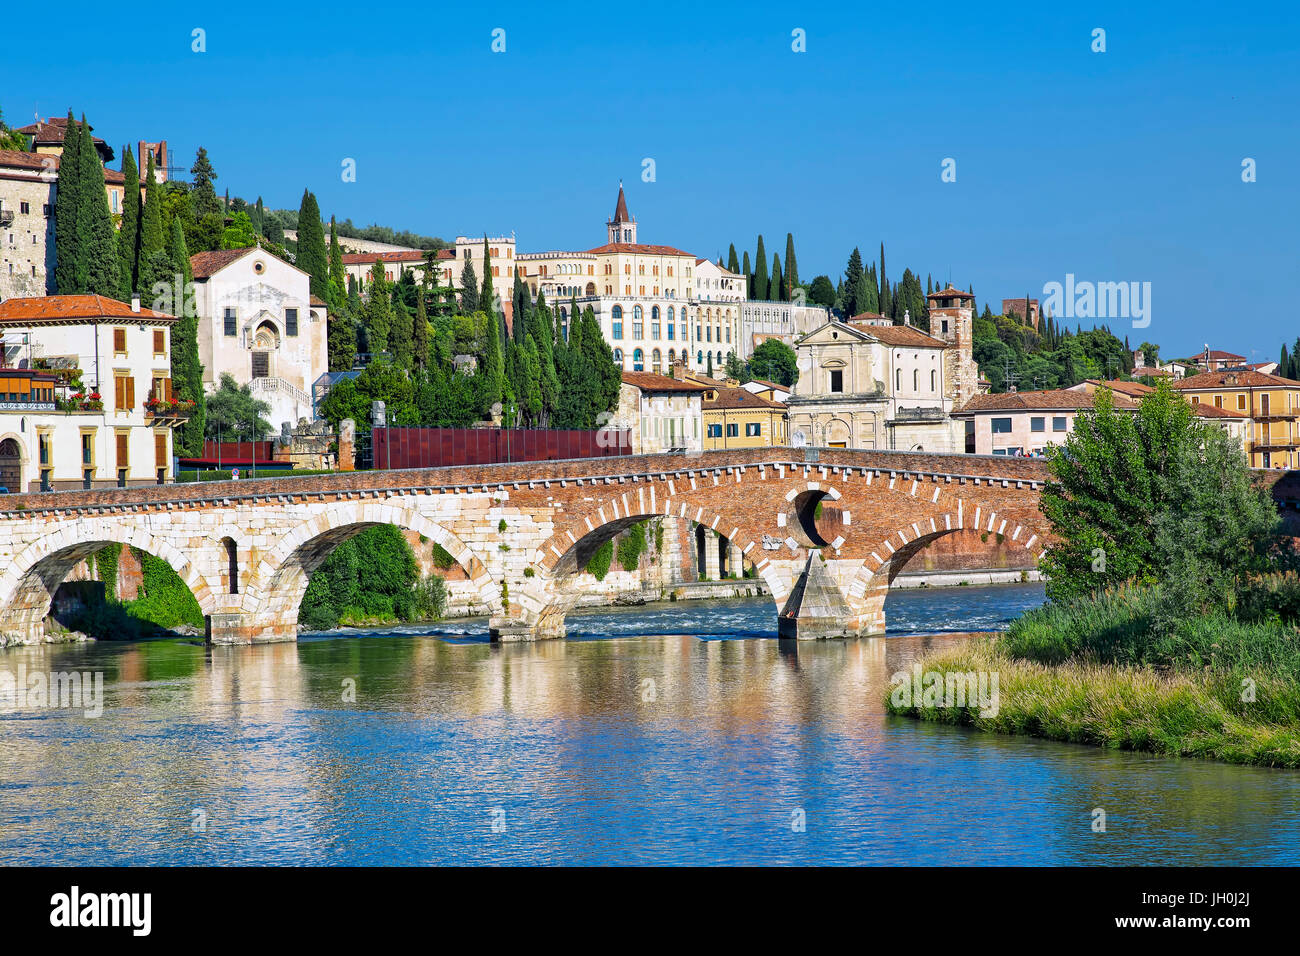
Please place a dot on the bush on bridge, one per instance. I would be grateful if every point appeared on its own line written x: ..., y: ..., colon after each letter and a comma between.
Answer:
x: 371, y: 578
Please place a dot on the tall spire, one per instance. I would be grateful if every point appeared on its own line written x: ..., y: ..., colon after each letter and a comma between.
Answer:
x: 620, y: 209
x: 622, y: 228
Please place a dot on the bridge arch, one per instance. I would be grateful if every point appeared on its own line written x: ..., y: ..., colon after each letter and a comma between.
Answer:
x: 28, y: 585
x: 274, y: 589
x: 548, y: 597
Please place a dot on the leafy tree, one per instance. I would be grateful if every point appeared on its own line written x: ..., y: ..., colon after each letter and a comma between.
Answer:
x: 420, y: 333
x: 240, y: 233
x: 234, y: 414
x: 1152, y: 497
x: 774, y: 361
x: 381, y: 381
x: 10, y: 139
x: 821, y: 292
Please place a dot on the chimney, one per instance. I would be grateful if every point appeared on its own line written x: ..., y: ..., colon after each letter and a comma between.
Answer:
x: 135, y: 302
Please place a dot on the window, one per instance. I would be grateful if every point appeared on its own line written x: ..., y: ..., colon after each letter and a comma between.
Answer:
x: 699, y: 357
x: 119, y: 341
x: 1058, y: 423
x: 934, y: 380
x: 898, y: 380
x: 733, y: 430
x: 88, y: 448
x: 1001, y: 426
x: 230, y: 321
x: 616, y: 315
x: 753, y: 429
x: 1037, y: 424
x: 159, y: 342
x: 638, y: 325
x: 638, y: 361
x: 837, y: 380
x: 290, y: 321
x: 1241, y: 402
x: 123, y: 392
x: 160, y: 449
x: 1218, y: 401
x: 916, y: 380
x: 656, y: 360
x: 715, y: 431
x: 123, y: 457
x: 618, y: 357
x: 24, y: 208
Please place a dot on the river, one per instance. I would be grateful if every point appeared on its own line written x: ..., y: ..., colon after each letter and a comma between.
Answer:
x: 675, y: 733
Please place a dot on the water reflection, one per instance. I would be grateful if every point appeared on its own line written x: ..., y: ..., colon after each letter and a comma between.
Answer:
x: 661, y: 747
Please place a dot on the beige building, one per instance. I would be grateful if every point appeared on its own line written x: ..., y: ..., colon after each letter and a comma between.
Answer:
x: 89, y: 395
x: 873, y: 386
x: 1270, y: 403
x: 734, y: 417
x: 258, y: 321
x: 662, y: 413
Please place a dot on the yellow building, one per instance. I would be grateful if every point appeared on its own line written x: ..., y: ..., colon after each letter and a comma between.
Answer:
x: 734, y: 417
x: 1272, y: 404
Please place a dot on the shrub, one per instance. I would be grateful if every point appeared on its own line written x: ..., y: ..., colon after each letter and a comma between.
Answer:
x: 600, y: 560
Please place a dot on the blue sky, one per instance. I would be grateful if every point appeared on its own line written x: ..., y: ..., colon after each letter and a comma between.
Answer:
x: 1115, y: 166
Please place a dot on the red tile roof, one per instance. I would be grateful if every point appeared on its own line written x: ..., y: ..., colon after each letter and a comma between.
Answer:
x: 650, y: 382
x: 740, y: 398
x: 949, y: 293
x: 73, y: 308
x: 639, y: 248
x: 1049, y: 400
x: 1206, y: 410
x: 1132, y: 389
x: 413, y: 255
x: 205, y: 264
x: 18, y: 159
x: 907, y: 336
x: 1244, y: 378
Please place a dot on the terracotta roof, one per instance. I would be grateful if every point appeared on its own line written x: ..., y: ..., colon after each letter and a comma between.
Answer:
x: 863, y: 316
x: 1244, y: 378
x: 908, y: 336
x: 205, y: 264
x: 409, y: 255
x: 620, y: 208
x: 317, y: 300
x: 51, y: 132
x: 650, y: 382
x: 1206, y: 410
x: 774, y: 385
x: 638, y: 248
x: 16, y: 158
x: 1132, y: 389
x: 740, y: 398
x: 949, y: 293
x: 1051, y: 400
x: 1219, y: 354
x: 47, y: 308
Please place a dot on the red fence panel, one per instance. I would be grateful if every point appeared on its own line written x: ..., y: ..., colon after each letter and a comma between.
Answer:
x: 444, y: 447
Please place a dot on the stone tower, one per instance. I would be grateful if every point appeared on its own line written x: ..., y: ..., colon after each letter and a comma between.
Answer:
x: 622, y: 228
x: 952, y: 316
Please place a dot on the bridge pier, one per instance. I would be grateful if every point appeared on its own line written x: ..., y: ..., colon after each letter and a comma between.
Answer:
x: 818, y: 608
x: 234, y: 627
x: 546, y: 625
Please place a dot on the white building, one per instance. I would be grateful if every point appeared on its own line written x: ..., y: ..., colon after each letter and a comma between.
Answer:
x: 259, y: 322
x: 88, y: 400
x: 663, y: 414
x: 787, y: 321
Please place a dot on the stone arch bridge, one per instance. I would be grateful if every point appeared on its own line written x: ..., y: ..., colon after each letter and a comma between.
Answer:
x: 826, y: 530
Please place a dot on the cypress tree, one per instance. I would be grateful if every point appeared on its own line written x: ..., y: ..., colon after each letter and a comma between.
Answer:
x: 468, y: 289
x: 338, y: 281
x: 95, y: 223
x: 128, y: 236
x: 760, y: 272
x: 749, y: 278
x: 69, y: 268
x: 260, y: 217
x: 733, y: 265
x: 311, y: 257
x: 883, y: 279
x: 791, y: 267
x: 493, y: 363
x: 777, y: 286
x: 377, y: 316
x: 487, y: 299
x: 852, y: 296
x: 153, y: 267
x: 187, y: 370
x: 420, y: 336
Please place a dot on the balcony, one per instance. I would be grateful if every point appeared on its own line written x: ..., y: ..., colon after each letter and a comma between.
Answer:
x: 168, y: 411
x: 6, y: 217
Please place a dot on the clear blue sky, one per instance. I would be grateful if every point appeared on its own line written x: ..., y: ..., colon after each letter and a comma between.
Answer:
x: 1123, y: 165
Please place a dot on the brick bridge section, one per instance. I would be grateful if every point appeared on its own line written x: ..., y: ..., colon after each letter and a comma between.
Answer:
x: 827, y: 530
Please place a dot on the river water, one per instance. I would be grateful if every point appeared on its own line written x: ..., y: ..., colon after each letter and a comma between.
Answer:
x: 671, y: 733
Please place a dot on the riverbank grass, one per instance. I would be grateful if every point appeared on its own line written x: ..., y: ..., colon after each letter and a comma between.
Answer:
x: 1140, y: 708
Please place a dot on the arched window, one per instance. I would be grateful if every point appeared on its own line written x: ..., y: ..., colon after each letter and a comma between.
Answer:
x: 618, y: 357
x: 699, y: 357
x: 654, y: 313
x: 638, y: 361
x: 616, y: 317
x: 916, y: 379
x: 656, y: 362
x: 933, y: 380
x: 898, y: 380
x: 638, y: 325
x: 672, y: 356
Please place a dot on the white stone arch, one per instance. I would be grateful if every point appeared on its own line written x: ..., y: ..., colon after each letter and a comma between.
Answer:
x: 24, y: 460
x: 36, y: 572
x: 276, y: 585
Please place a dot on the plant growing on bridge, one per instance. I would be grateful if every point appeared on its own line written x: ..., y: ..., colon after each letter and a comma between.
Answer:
x: 600, y: 560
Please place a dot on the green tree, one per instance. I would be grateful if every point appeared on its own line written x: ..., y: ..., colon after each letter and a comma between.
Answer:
x: 821, y: 292
x: 420, y: 333
x: 240, y: 233
x: 95, y: 223
x: 311, y: 257
x: 338, y: 276
x: 1129, y: 492
x: 791, y: 267
x: 187, y: 369
x: 234, y: 414
x: 128, y: 236
x: 733, y: 264
x: 153, y: 267
x: 761, y: 281
x: 9, y: 139
x: 852, y: 295
x: 205, y: 194
x: 377, y: 314
x: 468, y: 289
x: 774, y: 361
x: 776, y: 286
x: 69, y: 251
